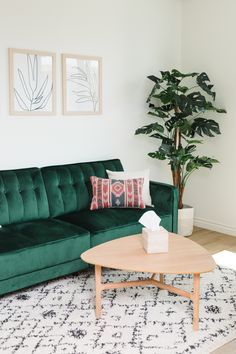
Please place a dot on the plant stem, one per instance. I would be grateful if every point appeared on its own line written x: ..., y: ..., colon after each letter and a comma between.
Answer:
x: 181, y: 192
x: 176, y: 171
x: 176, y: 175
x: 177, y: 134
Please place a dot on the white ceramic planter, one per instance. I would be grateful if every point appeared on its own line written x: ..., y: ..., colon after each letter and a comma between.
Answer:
x: 185, y: 220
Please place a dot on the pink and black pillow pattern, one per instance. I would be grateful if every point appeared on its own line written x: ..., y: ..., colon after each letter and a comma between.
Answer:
x: 113, y: 193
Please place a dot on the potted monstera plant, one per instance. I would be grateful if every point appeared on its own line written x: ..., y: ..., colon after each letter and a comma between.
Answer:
x: 179, y: 102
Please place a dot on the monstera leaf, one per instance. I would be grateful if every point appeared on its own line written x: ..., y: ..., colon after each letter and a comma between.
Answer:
x: 194, y: 141
x: 191, y: 103
x: 210, y: 107
x: 176, y: 121
x: 158, y: 112
x: 155, y: 79
x: 203, y: 126
x: 169, y: 78
x: 157, y: 155
x: 164, y: 108
x: 157, y: 136
x: 166, y: 146
x: 177, y: 73
x: 150, y: 128
x: 184, y: 154
x: 198, y: 162
x: 202, y: 81
x: 197, y: 101
x: 166, y: 96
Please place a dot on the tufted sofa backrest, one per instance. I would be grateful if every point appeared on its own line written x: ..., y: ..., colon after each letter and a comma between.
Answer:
x: 68, y: 186
x: 22, y: 196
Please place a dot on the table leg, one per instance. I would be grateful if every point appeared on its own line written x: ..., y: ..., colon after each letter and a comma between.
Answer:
x: 161, y: 278
x: 98, y: 278
x: 196, y: 295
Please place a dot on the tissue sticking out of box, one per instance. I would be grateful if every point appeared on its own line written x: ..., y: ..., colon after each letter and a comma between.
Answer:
x: 155, y: 238
x: 150, y: 220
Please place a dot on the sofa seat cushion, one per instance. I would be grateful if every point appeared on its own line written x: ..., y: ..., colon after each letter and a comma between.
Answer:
x: 108, y: 224
x: 31, y: 246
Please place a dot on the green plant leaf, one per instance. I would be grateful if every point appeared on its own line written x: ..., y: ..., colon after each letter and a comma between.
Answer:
x: 150, y: 128
x: 183, y: 103
x: 185, y: 128
x: 158, y: 112
x: 157, y: 136
x: 176, y: 121
x: 182, y: 89
x: 203, y: 126
x: 163, y: 108
x: 166, y: 146
x: 166, y: 96
x: 182, y: 155
x: 169, y: 78
x: 202, y: 80
x: 191, y: 103
x: 153, y: 92
x: 190, y: 148
x: 157, y: 155
x: 177, y: 73
x: 155, y: 79
x: 198, y: 162
x: 210, y: 107
x: 194, y: 141
x: 197, y: 101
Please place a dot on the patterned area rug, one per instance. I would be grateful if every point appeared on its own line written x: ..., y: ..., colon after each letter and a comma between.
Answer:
x: 58, y: 317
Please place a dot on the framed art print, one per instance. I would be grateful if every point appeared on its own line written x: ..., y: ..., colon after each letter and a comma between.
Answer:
x: 32, y: 82
x: 82, y: 86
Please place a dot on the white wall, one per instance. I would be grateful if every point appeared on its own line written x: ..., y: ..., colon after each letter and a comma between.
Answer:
x: 208, y: 35
x: 135, y: 38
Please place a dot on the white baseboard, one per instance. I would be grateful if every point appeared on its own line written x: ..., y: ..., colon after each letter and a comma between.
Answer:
x: 210, y: 225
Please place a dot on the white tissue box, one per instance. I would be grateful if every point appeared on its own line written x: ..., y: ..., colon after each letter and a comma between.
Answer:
x: 155, y: 241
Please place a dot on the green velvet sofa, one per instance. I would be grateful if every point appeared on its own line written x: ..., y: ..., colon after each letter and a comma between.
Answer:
x: 46, y: 221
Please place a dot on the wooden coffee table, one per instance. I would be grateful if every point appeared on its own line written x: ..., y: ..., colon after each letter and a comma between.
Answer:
x: 127, y: 253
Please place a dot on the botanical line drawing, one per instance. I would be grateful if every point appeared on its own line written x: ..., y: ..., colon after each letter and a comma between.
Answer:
x: 34, y: 91
x: 86, y: 81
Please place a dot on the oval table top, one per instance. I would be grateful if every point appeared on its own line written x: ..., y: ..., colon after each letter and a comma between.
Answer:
x: 184, y: 256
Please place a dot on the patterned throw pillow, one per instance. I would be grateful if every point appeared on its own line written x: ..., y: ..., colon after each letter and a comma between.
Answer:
x: 114, y: 193
x: 135, y: 174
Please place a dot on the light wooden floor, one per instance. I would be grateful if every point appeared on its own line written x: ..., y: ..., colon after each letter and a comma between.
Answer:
x: 215, y: 242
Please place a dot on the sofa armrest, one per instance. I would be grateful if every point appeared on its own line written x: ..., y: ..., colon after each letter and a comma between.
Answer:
x: 165, y: 199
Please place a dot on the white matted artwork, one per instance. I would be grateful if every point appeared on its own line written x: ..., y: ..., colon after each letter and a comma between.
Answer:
x: 32, y: 82
x: 82, y: 84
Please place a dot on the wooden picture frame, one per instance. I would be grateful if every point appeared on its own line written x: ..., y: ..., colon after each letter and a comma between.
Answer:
x: 32, y: 82
x: 81, y: 84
